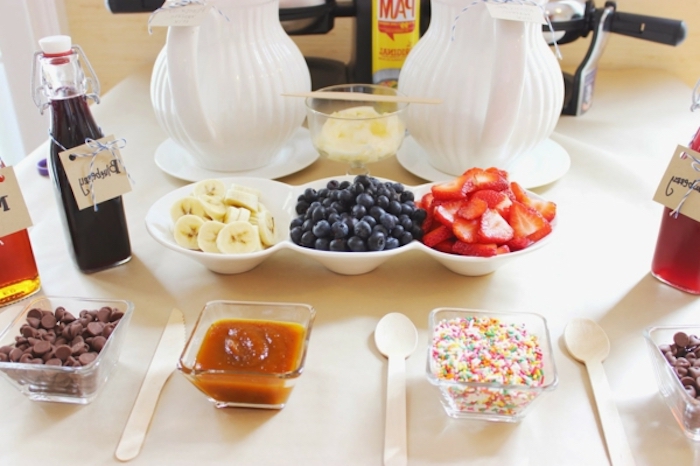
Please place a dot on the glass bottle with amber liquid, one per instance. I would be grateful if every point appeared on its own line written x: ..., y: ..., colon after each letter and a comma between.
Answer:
x: 98, y: 236
x: 19, y: 276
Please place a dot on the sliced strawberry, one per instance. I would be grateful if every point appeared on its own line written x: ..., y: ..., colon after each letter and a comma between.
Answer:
x: 478, y: 249
x: 548, y: 209
x: 466, y: 230
x: 498, y: 200
x: 478, y: 178
x: 445, y: 213
x: 473, y: 208
x: 449, y: 190
x: 493, y: 228
x: 528, y: 223
x: 503, y: 173
x: 502, y: 249
x: 445, y: 246
x: 437, y: 235
x: 518, y: 243
x: 426, y: 201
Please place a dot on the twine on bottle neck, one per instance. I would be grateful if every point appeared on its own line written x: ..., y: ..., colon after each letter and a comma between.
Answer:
x: 179, y: 4
x: 98, y: 147
x: 517, y: 2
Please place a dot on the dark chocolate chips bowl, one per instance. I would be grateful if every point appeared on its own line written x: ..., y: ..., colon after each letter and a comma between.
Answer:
x: 64, y: 349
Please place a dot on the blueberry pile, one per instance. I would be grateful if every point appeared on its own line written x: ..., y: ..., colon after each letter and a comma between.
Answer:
x: 363, y: 215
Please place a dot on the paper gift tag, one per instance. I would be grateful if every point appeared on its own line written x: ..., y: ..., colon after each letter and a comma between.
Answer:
x: 178, y: 14
x: 14, y: 215
x: 680, y: 185
x: 516, y: 12
x: 96, y: 174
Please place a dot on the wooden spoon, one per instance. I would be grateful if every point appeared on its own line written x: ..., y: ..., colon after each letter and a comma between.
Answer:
x: 588, y: 343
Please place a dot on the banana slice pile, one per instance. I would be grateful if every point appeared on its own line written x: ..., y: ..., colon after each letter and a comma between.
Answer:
x: 215, y: 218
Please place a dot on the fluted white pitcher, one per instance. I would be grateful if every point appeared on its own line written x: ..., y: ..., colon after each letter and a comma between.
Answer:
x: 216, y: 88
x: 501, y: 85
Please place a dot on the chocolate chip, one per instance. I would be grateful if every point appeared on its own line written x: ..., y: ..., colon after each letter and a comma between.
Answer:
x: 35, y: 313
x: 63, y: 352
x: 54, y: 362
x: 95, y: 328
x: 48, y: 321
x: 5, y: 349
x: 15, y: 354
x: 104, y: 314
x: 4, y: 357
x: 33, y: 322
x: 87, y: 358
x: 67, y: 317
x: 28, y: 331
x: 41, y: 347
x: 681, y: 339
x: 25, y: 358
x: 116, y: 315
x: 98, y: 343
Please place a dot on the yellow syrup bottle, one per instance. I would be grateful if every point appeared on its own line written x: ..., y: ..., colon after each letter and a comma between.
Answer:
x: 395, y: 30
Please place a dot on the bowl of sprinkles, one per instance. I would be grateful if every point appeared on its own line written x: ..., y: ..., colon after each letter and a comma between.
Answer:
x: 489, y: 365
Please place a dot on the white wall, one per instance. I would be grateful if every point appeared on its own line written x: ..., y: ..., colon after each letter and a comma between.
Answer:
x: 22, y: 24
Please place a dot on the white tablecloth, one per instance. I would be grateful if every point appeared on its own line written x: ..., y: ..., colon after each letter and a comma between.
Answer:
x: 598, y: 267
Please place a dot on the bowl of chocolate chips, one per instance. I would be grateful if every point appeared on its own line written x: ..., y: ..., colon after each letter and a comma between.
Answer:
x: 64, y: 349
x: 675, y: 355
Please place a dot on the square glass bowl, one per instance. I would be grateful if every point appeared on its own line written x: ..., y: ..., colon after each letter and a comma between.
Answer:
x: 466, y: 347
x: 685, y: 408
x: 66, y: 384
x: 248, y: 354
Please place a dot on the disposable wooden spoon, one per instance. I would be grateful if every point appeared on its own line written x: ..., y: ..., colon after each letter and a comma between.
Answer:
x: 588, y: 343
x: 396, y: 338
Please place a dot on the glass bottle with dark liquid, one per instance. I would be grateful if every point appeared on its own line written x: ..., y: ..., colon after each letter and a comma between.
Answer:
x: 99, y: 237
x: 677, y: 256
x: 19, y: 276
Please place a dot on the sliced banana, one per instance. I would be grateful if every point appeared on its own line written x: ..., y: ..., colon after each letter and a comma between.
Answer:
x: 232, y: 214
x: 211, y: 187
x: 266, y: 227
x: 186, y: 231
x: 208, y: 232
x: 187, y: 206
x: 213, y: 206
x: 246, y: 189
x: 238, y: 237
x: 244, y: 214
x: 238, y: 198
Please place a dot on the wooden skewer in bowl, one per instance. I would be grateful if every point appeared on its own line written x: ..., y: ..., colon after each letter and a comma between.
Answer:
x: 360, y: 96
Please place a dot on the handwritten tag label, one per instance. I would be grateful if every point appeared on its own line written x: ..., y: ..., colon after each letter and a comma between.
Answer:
x: 678, y: 186
x: 172, y: 14
x: 13, y: 210
x: 516, y: 12
x: 95, y: 175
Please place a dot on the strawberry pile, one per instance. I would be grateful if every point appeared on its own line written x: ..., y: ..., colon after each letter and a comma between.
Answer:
x: 482, y: 213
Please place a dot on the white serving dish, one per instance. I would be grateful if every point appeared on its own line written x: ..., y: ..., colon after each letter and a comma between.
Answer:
x: 280, y: 199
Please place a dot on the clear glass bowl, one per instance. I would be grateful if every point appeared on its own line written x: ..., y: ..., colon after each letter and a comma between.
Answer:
x: 357, y: 132
x: 685, y: 408
x: 238, y: 386
x: 66, y: 384
x: 486, y: 400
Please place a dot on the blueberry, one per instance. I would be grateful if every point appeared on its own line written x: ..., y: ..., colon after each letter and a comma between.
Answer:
x: 369, y: 219
x: 322, y: 244
x: 339, y: 229
x: 344, y: 184
x: 406, y: 238
x: 358, y: 211
x: 346, y: 197
x: 380, y: 228
x: 362, y: 230
x: 337, y: 206
x: 365, y: 199
x: 338, y: 245
x: 406, y: 222
x: 376, y: 212
x: 406, y: 196
x: 321, y: 229
x: 318, y: 214
x: 333, y: 217
x: 357, y: 188
x: 301, y: 207
x: 388, y: 220
x: 307, y: 225
x: 356, y: 244
x: 397, y: 231
x: 383, y: 201
x: 364, y: 180
x: 296, y: 222
x: 308, y: 239
x: 391, y: 243
x: 419, y: 215
x: 326, y: 202
x: 417, y: 232
x: 399, y: 189
x: 333, y: 184
x: 395, y: 208
x: 295, y: 234
x: 310, y: 194
x: 376, y: 241
x: 407, y: 209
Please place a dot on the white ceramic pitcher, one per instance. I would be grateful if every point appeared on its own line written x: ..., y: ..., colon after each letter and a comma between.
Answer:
x: 216, y: 88
x: 502, y: 87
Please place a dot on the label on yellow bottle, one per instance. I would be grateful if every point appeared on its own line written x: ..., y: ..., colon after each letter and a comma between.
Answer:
x: 395, y: 30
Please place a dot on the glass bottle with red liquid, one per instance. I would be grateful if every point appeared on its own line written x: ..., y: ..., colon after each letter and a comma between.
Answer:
x: 677, y: 256
x: 19, y: 276
x: 99, y: 236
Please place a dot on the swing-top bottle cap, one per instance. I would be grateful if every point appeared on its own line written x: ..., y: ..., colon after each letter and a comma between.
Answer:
x: 55, y: 45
